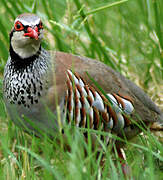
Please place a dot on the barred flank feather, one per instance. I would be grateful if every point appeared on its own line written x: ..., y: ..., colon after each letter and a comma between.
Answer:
x: 84, y: 103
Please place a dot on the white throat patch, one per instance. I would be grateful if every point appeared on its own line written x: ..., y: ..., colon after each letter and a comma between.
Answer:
x: 25, y: 47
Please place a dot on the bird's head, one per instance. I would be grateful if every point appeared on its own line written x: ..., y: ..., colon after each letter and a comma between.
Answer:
x: 26, y: 35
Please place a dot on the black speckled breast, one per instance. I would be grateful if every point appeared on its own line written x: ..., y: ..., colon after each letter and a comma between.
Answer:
x: 25, y: 85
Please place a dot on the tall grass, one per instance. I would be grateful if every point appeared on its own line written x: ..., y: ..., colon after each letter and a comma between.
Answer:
x: 126, y: 35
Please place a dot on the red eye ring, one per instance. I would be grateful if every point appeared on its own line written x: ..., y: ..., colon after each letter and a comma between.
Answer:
x: 18, y: 26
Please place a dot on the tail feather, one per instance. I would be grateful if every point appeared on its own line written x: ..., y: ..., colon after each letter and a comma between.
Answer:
x: 160, y: 119
x: 158, y: 126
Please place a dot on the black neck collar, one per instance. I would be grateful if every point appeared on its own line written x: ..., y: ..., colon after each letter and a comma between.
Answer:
x: 21, y: 63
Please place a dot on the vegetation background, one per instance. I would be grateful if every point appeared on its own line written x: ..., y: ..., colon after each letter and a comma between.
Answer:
x: 124, y: 34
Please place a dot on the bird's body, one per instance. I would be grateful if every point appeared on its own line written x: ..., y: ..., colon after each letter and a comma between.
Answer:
x: 37, y: 82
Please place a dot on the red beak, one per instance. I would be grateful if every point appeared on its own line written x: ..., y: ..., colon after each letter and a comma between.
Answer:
x: 32, y: 32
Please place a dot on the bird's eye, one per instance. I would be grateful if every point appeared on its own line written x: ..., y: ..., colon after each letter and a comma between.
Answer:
x: 40, y: 25
x: 18, y: 26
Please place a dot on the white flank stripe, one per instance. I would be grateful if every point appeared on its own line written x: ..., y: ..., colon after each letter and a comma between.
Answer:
x: 84, y: 91
x: 72, y: 103
x: 78, y: 118
x: 120, y: 123
x: 78, y: 94
x: 115, y: 105
x: 73, y: 77
x: 86, y: 105
x: 110, y: 124
x: 128, y: 109
x: 81, y: 83
x: 98, y: 103
x: 91, y: 95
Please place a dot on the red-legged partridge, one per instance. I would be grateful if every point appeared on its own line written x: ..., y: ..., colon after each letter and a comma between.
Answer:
x: 37, y: 82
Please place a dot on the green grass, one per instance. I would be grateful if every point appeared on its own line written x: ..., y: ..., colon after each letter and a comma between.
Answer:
x: 126, y: 36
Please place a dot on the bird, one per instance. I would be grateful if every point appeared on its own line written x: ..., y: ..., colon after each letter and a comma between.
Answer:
x: 46, y: 90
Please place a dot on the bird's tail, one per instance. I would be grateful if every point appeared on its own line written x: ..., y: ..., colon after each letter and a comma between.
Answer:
x: 160, y: 119
x: 159, y: 124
